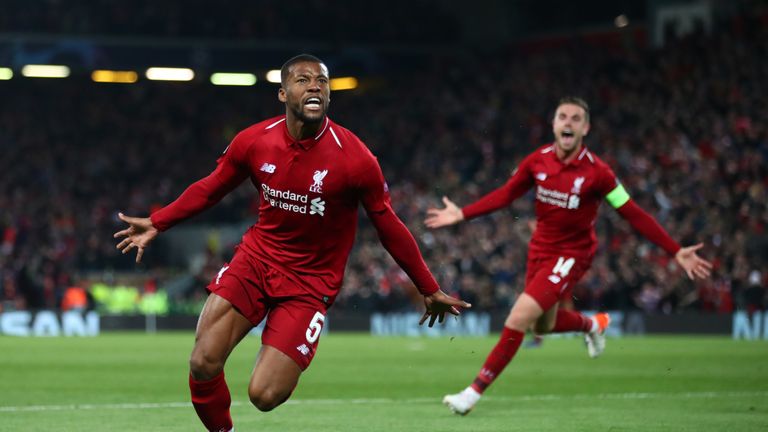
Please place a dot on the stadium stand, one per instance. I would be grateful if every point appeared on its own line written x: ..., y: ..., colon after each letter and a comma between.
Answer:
x: 682, y: 125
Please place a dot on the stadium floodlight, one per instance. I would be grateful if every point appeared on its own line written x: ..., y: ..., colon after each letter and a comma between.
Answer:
x: 233, y: 79
x: 110, y: 76
x: 6, y: 73
x: 170, y: 74
x: 45, y: 71
x: 343, y: 83
x: 273, y: 76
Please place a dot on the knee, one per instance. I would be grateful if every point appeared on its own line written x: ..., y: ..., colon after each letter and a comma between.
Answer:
x: 517, y: 322
x: 266, y: 399
x: 203, y: 366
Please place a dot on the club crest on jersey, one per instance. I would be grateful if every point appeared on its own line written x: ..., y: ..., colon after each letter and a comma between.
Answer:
x: 541, y: 176
x: 577, y: 185
x: 317, y: 178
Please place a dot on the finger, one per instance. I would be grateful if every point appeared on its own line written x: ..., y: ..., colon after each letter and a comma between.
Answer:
x: 454, y: 311
x: 442, y: 317
x: 139, y: 254
x: 432, y: 319
x: 433, y: 212
x: 702, y: 273
x: 123, y: 243
x: 122, y: 233
x: 433, y: 223
x: 447, y: 202
x: 452, y: 301
x: 690, y: 274
x: 705, y: 263
x: 128, y: 248
x: 423, y: 318
x: 695, y: 247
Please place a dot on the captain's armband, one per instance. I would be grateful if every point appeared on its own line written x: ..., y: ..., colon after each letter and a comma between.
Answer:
x: 617, y: 197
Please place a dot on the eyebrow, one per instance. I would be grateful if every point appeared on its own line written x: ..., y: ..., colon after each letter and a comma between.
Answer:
x: 309, y: 74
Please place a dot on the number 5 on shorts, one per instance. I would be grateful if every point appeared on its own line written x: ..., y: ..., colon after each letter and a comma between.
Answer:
x: 315, y: 327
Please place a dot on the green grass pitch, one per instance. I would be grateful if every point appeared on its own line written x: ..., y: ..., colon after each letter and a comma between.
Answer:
x: 137, y: 382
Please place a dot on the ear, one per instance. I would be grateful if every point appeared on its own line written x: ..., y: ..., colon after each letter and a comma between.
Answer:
x: 281, y: 95
x: 586, y: 129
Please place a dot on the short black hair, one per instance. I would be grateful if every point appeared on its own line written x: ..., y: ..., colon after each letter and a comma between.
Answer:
x: 573, y: 100
x: 292, y: 61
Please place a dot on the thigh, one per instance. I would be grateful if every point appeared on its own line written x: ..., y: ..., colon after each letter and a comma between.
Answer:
x: 274, y: 376
x: 294, y: 326
x: 289, y: 342
x: 219, y: 329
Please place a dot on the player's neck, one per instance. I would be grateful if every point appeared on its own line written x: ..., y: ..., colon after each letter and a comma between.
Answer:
x: 301, y: 130
x: 567, y: 156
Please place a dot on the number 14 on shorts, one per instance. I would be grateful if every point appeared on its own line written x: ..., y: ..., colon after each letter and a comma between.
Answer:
x: 561, y: 269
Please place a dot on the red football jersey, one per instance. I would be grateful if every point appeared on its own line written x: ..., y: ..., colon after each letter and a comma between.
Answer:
x: 309, y: 190
x: 567, y: 199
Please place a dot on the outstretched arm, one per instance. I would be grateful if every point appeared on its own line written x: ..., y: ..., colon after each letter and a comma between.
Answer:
x: 513, y: 189
x: 645, y: 224
x: 399, y: 242
x: 199, y: 196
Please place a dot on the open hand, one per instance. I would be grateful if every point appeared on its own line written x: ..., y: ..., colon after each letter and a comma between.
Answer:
x: 139, y: 234
x: 438, y: 304
x: 449, y: 215
x: 692, y: 263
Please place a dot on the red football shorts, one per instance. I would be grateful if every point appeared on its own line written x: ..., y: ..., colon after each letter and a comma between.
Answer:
x: 550, y: 279
x: 293, y: 322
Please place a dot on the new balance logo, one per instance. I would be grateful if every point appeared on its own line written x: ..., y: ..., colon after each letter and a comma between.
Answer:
x: 303, y: 349
x: 541, y: 176
x: 317, y: 206
x: 268, y: 168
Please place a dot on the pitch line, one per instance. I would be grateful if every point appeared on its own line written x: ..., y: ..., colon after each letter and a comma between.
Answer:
x: 377, y: 401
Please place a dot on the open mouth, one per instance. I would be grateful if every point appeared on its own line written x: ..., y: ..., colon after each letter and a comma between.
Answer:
x: 313, y: 103
x: 567, y: 134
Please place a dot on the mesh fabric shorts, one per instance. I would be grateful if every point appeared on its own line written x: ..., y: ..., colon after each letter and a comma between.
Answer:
x: 293, y: 322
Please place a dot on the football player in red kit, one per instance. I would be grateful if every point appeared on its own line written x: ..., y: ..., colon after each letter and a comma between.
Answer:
x: 311, y: 175
x: 570, y: 183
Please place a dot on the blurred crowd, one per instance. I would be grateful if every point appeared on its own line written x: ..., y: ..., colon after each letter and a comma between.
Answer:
x: 396, y: 21
x: 683, y: 126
